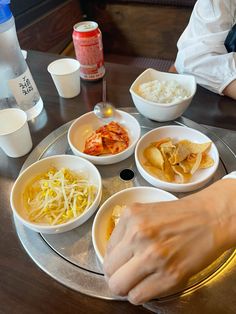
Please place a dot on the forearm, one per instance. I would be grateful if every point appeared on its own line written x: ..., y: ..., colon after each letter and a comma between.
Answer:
x: 230, y: 90
x: 228, y: 216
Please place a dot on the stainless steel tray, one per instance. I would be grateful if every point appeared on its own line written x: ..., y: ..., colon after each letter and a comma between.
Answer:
x: 69, y: 257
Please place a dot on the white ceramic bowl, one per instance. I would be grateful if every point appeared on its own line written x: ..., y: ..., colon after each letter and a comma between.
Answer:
x: 74, y: 163
x: 82, y: 128
x: 162, y: 111
x: 177, y: 133
x: 142, y: 194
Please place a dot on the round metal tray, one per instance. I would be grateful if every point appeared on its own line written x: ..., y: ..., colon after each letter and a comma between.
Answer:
x: 69, y: 257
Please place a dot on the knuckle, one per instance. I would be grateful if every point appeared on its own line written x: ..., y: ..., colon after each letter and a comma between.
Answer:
x: 135, y: 297
x: 116, y: 288
x: 176, y: 275
x: 155, y: 252
x: 133, y: 210
x: 139, y: 232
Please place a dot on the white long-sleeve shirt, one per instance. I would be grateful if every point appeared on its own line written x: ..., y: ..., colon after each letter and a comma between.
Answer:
x: 201, y: 50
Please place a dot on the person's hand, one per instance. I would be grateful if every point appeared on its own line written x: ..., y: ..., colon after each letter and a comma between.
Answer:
x: 156, y: 247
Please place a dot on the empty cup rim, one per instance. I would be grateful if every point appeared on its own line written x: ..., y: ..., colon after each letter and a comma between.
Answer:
x: 23, y: 116
x: 63, y: 60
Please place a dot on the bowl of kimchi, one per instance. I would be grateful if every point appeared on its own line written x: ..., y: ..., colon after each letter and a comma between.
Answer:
x: 103, y: 141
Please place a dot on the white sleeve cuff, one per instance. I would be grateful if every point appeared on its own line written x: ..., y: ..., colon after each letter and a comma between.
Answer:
x: 226, y: 83
x: 231, y: 175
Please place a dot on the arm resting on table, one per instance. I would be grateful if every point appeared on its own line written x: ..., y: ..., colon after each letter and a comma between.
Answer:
x: 201, y: 50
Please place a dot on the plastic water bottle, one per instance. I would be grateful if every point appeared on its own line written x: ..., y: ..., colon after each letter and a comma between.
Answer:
x: 17, y: 87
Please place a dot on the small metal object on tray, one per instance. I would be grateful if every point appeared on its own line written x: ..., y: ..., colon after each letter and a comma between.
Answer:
x: 104, y: 109
x: 69, y: 257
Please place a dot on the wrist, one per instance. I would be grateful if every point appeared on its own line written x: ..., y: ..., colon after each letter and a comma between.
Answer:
x: 221, y: 205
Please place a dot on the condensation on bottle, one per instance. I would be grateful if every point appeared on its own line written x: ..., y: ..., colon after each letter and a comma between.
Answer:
x: 17, y: 86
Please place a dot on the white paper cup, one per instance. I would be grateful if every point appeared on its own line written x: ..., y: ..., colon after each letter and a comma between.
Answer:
x: 66, y: 76
x: 15, y: 138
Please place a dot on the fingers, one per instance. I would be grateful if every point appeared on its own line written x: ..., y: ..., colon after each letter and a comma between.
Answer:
x: 120, y: 255
x: 117, y: 252
x: 142, y: 281
x: 124, y: 276
x: 117, y: 233
x: 155, y: 285
x: 146, y: 290
x: 131, y: 236
x: 129, y: 275
x: 155, y: 248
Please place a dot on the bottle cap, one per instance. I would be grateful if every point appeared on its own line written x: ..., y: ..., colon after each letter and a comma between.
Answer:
x: 5, y: 11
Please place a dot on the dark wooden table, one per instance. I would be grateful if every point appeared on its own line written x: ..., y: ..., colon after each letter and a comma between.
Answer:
x: 24, y: 288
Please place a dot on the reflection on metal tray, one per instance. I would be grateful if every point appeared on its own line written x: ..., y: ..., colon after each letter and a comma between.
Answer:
x: 69, y: 257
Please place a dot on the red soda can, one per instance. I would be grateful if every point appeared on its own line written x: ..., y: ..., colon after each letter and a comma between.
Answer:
x: 87, y: 39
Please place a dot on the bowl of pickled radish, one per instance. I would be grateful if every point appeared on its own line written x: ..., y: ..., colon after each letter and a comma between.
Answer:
x: 56, y: 194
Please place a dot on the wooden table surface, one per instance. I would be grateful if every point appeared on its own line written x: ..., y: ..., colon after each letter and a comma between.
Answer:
x: 24, y: 288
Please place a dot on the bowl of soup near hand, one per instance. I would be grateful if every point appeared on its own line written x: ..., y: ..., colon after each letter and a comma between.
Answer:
x: 109, y: 213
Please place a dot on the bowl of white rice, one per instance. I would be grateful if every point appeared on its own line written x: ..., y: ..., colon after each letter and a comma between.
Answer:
x: 162, y: 96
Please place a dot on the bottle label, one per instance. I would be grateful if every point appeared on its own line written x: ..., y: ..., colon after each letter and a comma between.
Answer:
x: 24, y: 90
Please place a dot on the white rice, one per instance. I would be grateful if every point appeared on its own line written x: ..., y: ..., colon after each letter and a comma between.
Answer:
x: 162, y: 91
